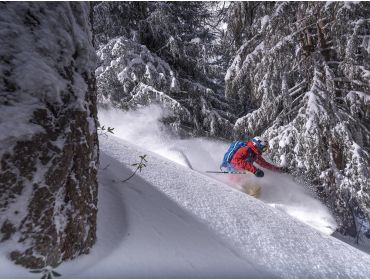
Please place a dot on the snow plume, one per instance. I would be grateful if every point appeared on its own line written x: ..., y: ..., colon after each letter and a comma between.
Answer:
x: 144, y: 128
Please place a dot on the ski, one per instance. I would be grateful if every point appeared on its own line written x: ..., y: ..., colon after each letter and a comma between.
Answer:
x: 228, y: 172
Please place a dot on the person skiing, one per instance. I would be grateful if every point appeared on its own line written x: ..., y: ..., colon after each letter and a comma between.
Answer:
x: 245, y: 156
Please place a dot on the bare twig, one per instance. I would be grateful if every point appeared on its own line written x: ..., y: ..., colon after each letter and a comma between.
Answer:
x: 103, y: 131
x: 139, y: 166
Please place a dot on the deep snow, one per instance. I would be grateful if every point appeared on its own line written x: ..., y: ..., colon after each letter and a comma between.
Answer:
x: 265, y: 238
x: 144, y: 233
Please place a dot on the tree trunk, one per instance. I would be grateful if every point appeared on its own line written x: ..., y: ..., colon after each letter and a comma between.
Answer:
x: 48, y: 142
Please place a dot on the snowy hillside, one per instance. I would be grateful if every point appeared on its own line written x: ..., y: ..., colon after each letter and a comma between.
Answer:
x: 179, y: 223
x: 202, y: 154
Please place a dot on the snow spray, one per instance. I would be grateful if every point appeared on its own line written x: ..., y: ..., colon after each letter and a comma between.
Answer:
x: 143, y: 127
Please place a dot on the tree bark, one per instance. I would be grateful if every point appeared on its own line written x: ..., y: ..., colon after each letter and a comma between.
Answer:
x: 48, y: 144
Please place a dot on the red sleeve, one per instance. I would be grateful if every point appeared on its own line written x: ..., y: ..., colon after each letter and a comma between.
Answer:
x: 247, y: 166
x: 260, y: 161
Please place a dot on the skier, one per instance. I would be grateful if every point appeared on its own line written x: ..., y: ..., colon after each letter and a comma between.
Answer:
x: 244, y: 158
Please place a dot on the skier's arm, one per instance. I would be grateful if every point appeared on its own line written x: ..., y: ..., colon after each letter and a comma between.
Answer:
x: 260, y: 161
x: 251, y: 168
x: 248, y: 166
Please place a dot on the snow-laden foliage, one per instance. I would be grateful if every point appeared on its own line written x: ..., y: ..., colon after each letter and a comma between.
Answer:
x: 301, y: 71
x: 163, y: 52
x: 48, y: 139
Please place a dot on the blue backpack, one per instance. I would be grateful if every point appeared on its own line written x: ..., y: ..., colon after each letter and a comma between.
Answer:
x: 236, y: 145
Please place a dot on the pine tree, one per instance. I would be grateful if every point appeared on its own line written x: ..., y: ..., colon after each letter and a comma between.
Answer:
x: 170, y: 55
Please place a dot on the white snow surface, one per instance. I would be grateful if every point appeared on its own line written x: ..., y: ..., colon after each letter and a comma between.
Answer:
x: 170, y: 221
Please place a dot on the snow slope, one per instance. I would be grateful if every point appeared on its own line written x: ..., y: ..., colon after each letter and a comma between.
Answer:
x: 173, y: 222
x: 144, y: 233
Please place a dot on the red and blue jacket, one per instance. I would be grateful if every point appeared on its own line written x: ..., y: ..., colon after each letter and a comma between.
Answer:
x: 246, y: 156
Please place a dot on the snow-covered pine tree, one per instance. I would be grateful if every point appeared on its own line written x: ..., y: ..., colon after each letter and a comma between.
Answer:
x: 48, y: 140
x: 301, y: 70
x: 164, y: 52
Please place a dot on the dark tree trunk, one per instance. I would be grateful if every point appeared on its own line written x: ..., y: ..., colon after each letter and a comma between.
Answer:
x: 48, y: 176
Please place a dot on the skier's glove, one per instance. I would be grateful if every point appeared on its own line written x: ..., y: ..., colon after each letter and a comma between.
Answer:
x: 284, y: 169
x: 259, y: 173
